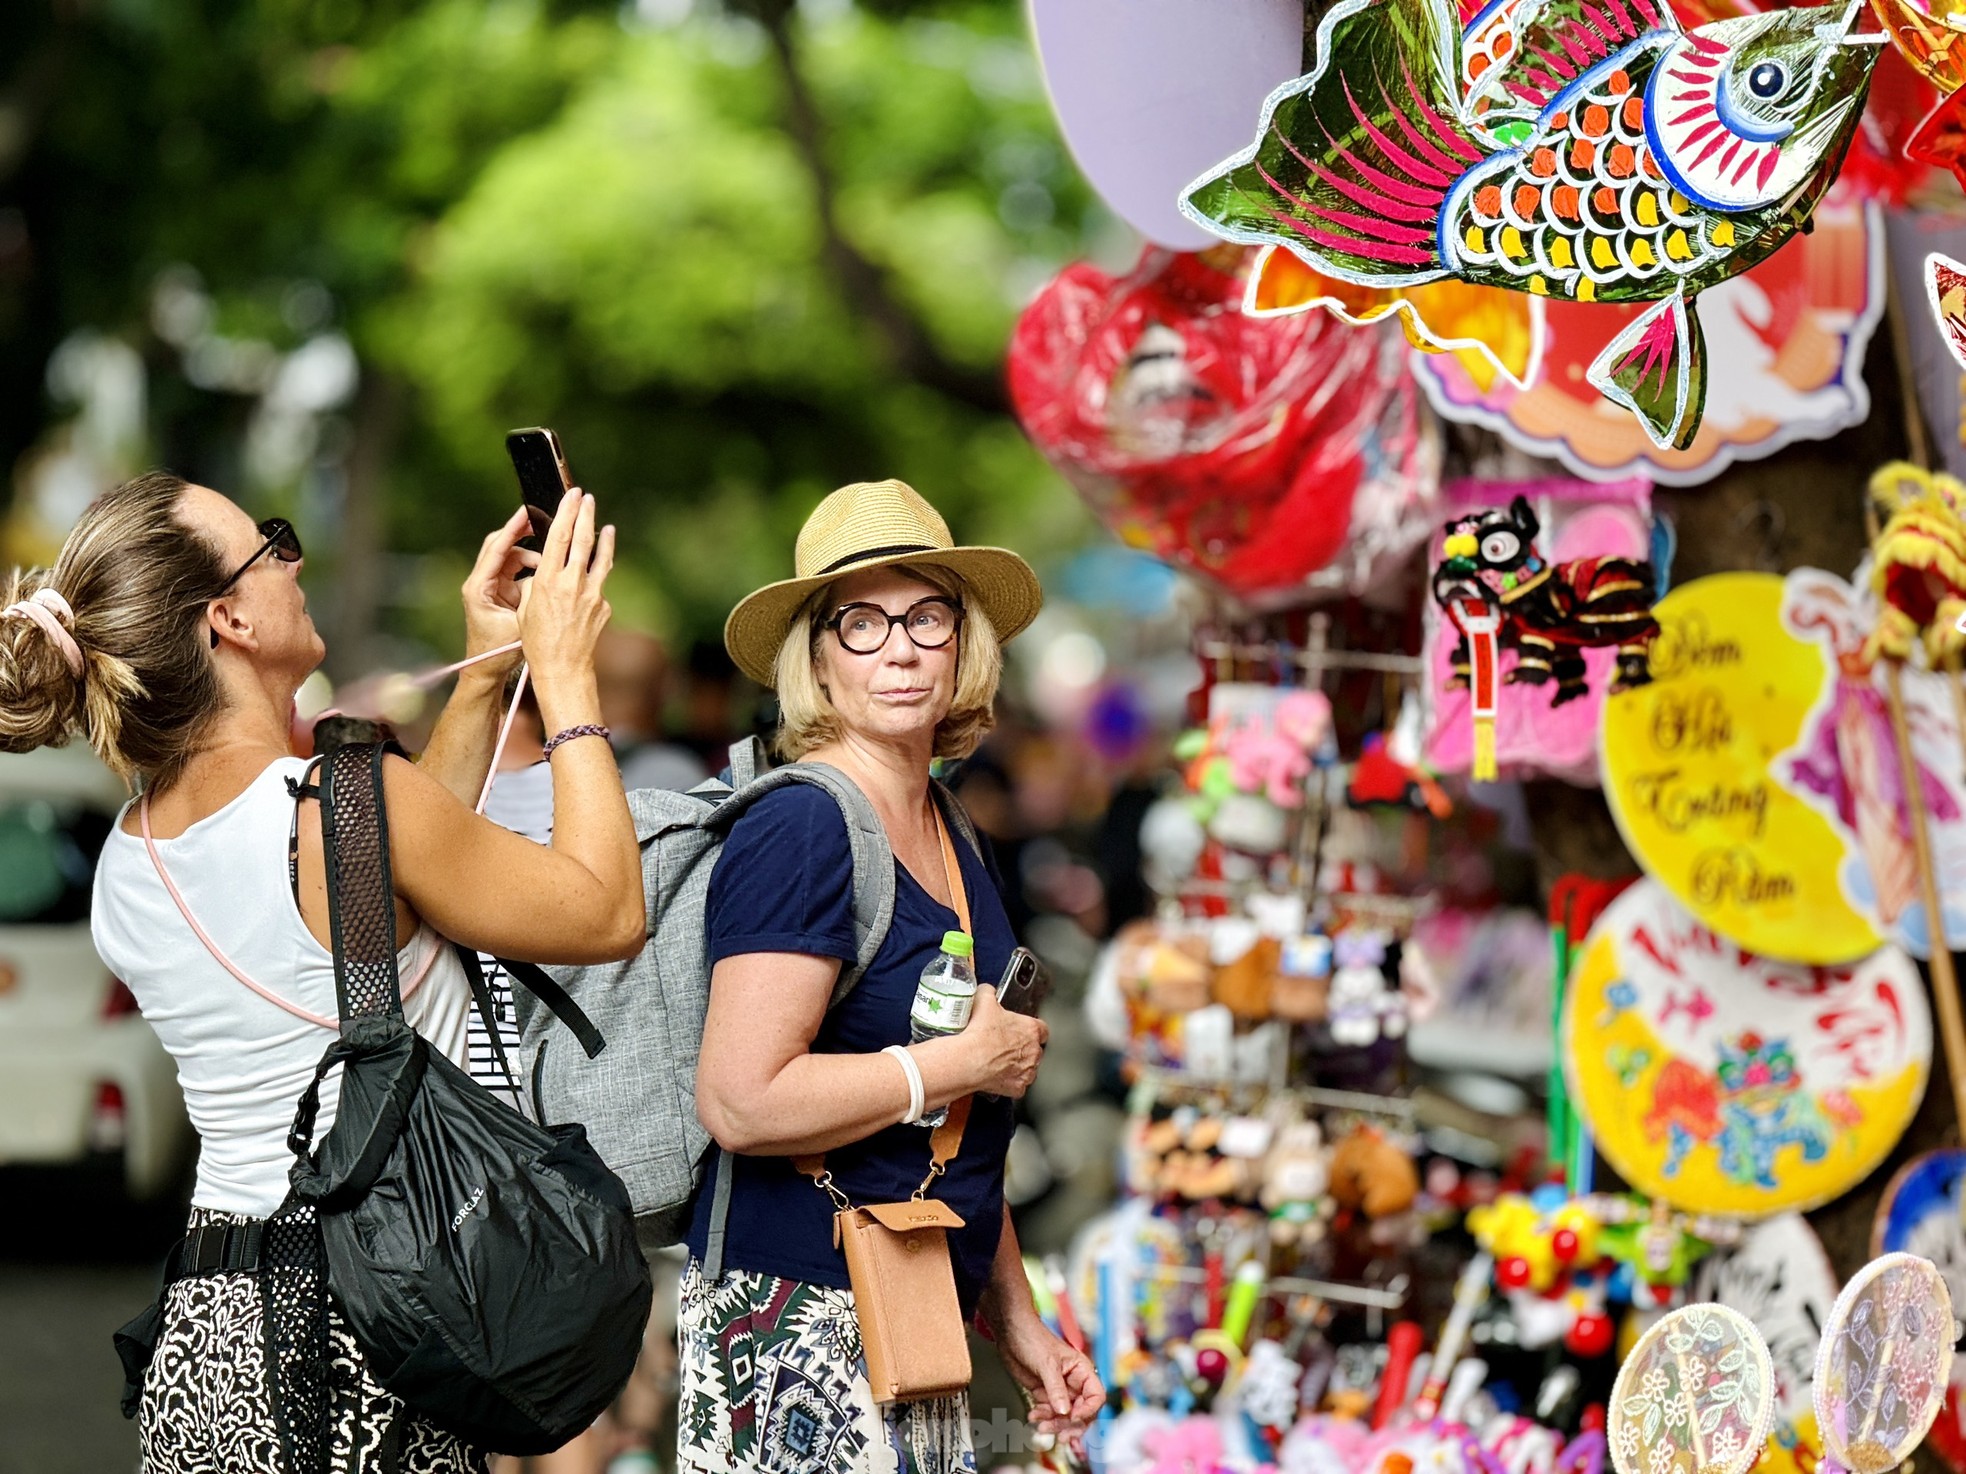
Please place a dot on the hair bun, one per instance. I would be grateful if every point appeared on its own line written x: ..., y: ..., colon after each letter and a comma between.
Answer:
x: 41, y: 697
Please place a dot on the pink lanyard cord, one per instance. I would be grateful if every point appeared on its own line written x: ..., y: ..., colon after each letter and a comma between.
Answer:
x: 331, y: 1024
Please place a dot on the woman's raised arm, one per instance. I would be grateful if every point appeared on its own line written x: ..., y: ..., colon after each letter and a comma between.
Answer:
x: 581, y: 900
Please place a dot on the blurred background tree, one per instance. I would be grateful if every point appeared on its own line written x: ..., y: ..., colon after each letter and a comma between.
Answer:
x: 322, y: 253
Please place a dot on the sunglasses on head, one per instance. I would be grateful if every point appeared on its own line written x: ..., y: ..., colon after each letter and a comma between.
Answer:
x: 281, y: 541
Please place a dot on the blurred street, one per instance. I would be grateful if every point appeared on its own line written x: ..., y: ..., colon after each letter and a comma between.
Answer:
x: 76, y: 1262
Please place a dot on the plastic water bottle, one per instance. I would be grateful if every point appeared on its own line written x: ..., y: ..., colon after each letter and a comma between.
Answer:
x: 944, y: 999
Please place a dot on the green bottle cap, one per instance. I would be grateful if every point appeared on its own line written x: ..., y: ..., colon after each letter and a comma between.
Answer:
x: 958, y: 944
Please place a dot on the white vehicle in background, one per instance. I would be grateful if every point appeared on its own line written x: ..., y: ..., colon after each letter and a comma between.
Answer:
x: 81, y: 1073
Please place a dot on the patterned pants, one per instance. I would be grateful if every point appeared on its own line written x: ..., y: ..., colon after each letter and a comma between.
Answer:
x: 205, y: 1404
x: 774, y: 1381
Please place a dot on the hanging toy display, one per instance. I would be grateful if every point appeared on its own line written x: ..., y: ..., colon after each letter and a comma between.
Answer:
x: 1500, y: 594
x: 1615, y: 160
x: 1252, y: 452
x: 1247, y: 768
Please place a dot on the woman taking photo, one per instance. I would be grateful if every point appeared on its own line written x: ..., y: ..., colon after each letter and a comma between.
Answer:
x: 885, y: 653
x: 172, y: 634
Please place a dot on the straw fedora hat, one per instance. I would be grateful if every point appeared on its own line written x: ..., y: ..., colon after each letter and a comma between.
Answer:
x: 874, y: 524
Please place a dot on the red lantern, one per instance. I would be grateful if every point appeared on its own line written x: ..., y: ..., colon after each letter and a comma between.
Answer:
x: 1231, y: 445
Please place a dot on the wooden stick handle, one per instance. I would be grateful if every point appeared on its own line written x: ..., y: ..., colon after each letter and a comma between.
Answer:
x: 1945, y: 983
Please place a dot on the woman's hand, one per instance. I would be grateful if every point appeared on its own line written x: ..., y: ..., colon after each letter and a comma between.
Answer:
x: 561, y: 608
x: 491, y: 593
x: 1005, y: 1047
x: 1064, y: 1389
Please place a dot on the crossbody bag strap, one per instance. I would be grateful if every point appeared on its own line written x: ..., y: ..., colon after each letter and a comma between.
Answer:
x: 947, y: 1139
x: 361, y: 889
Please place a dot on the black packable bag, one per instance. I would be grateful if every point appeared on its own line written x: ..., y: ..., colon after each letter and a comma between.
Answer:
x: 487, y: 1267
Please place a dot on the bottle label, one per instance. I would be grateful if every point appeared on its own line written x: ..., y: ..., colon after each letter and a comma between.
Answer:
x: 937, y: 1011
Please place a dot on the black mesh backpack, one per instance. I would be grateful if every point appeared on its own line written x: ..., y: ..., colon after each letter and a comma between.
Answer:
x: 487, y: 1267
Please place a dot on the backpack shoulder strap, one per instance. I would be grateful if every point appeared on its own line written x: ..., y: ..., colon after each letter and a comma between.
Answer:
x: 873, y: 857
x: 361, y: 890
x: 748, y: 762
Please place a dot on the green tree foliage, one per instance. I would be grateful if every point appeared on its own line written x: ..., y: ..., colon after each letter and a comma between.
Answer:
x: 735, y: 256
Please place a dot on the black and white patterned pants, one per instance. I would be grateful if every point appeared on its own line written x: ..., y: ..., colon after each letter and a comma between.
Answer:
x: 206, y: 1409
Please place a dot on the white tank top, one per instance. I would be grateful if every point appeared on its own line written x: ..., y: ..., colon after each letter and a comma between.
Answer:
x: 243, y: 1061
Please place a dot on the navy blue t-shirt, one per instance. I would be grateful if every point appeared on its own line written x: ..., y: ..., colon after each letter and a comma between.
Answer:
x: 784, y: 883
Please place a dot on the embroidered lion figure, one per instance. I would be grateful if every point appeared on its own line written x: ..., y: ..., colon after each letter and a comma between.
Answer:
x: 1551, y: 613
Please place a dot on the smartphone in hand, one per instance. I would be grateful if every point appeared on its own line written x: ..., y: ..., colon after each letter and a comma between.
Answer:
x: 1024, y: 984
x: 543, y: 477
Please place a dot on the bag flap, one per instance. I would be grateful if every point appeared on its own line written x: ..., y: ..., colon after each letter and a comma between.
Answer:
x: 913, y: 1213
x: 656, y: 811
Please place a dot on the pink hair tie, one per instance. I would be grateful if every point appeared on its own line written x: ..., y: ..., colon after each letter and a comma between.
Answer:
x: 50, y: 610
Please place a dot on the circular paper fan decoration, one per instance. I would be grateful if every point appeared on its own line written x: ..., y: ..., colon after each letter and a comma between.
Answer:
x: 1881, y: 1373
x: 1699, y: 1386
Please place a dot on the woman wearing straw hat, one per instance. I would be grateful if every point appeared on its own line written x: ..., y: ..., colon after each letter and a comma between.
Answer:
x: 885, y: 652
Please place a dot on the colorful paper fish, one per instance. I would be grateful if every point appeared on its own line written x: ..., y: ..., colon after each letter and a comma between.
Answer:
x: 1581, y: 149
x: 1945, y: 289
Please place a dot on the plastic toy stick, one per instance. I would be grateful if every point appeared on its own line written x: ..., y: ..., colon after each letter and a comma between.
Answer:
x: 1108, y: 1347
x: 1402, y: 1345
x: 1470, y: 1291
x: 1558, y: 1119
x: 1244, y: 1295
x: 1581, y: 1165
x: 1042, y: 1299
x: 1469, y: 1377
x: 1068, y: 1320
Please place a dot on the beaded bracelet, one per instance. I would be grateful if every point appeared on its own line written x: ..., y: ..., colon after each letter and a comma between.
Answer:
x: 585, y: 729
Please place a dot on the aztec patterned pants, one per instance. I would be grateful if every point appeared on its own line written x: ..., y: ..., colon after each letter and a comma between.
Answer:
x: 205, y: 1405
x: 774, y: 1381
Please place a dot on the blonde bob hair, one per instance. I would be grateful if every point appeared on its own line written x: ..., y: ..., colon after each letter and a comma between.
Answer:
x: 807, y: 717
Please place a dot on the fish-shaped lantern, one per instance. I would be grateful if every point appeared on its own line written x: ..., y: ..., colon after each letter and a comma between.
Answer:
x: 1582, y: 149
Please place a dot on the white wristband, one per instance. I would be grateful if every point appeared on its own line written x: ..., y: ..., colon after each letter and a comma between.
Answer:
x: 917, y: 1097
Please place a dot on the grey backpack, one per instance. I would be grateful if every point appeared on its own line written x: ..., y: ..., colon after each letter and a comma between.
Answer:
x: 638, y: 1099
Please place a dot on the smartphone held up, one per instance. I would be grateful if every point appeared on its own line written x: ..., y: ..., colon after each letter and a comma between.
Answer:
x: 543, y: 477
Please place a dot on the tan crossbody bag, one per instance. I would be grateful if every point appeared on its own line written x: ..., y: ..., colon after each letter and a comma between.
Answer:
x: 897, y: 1254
